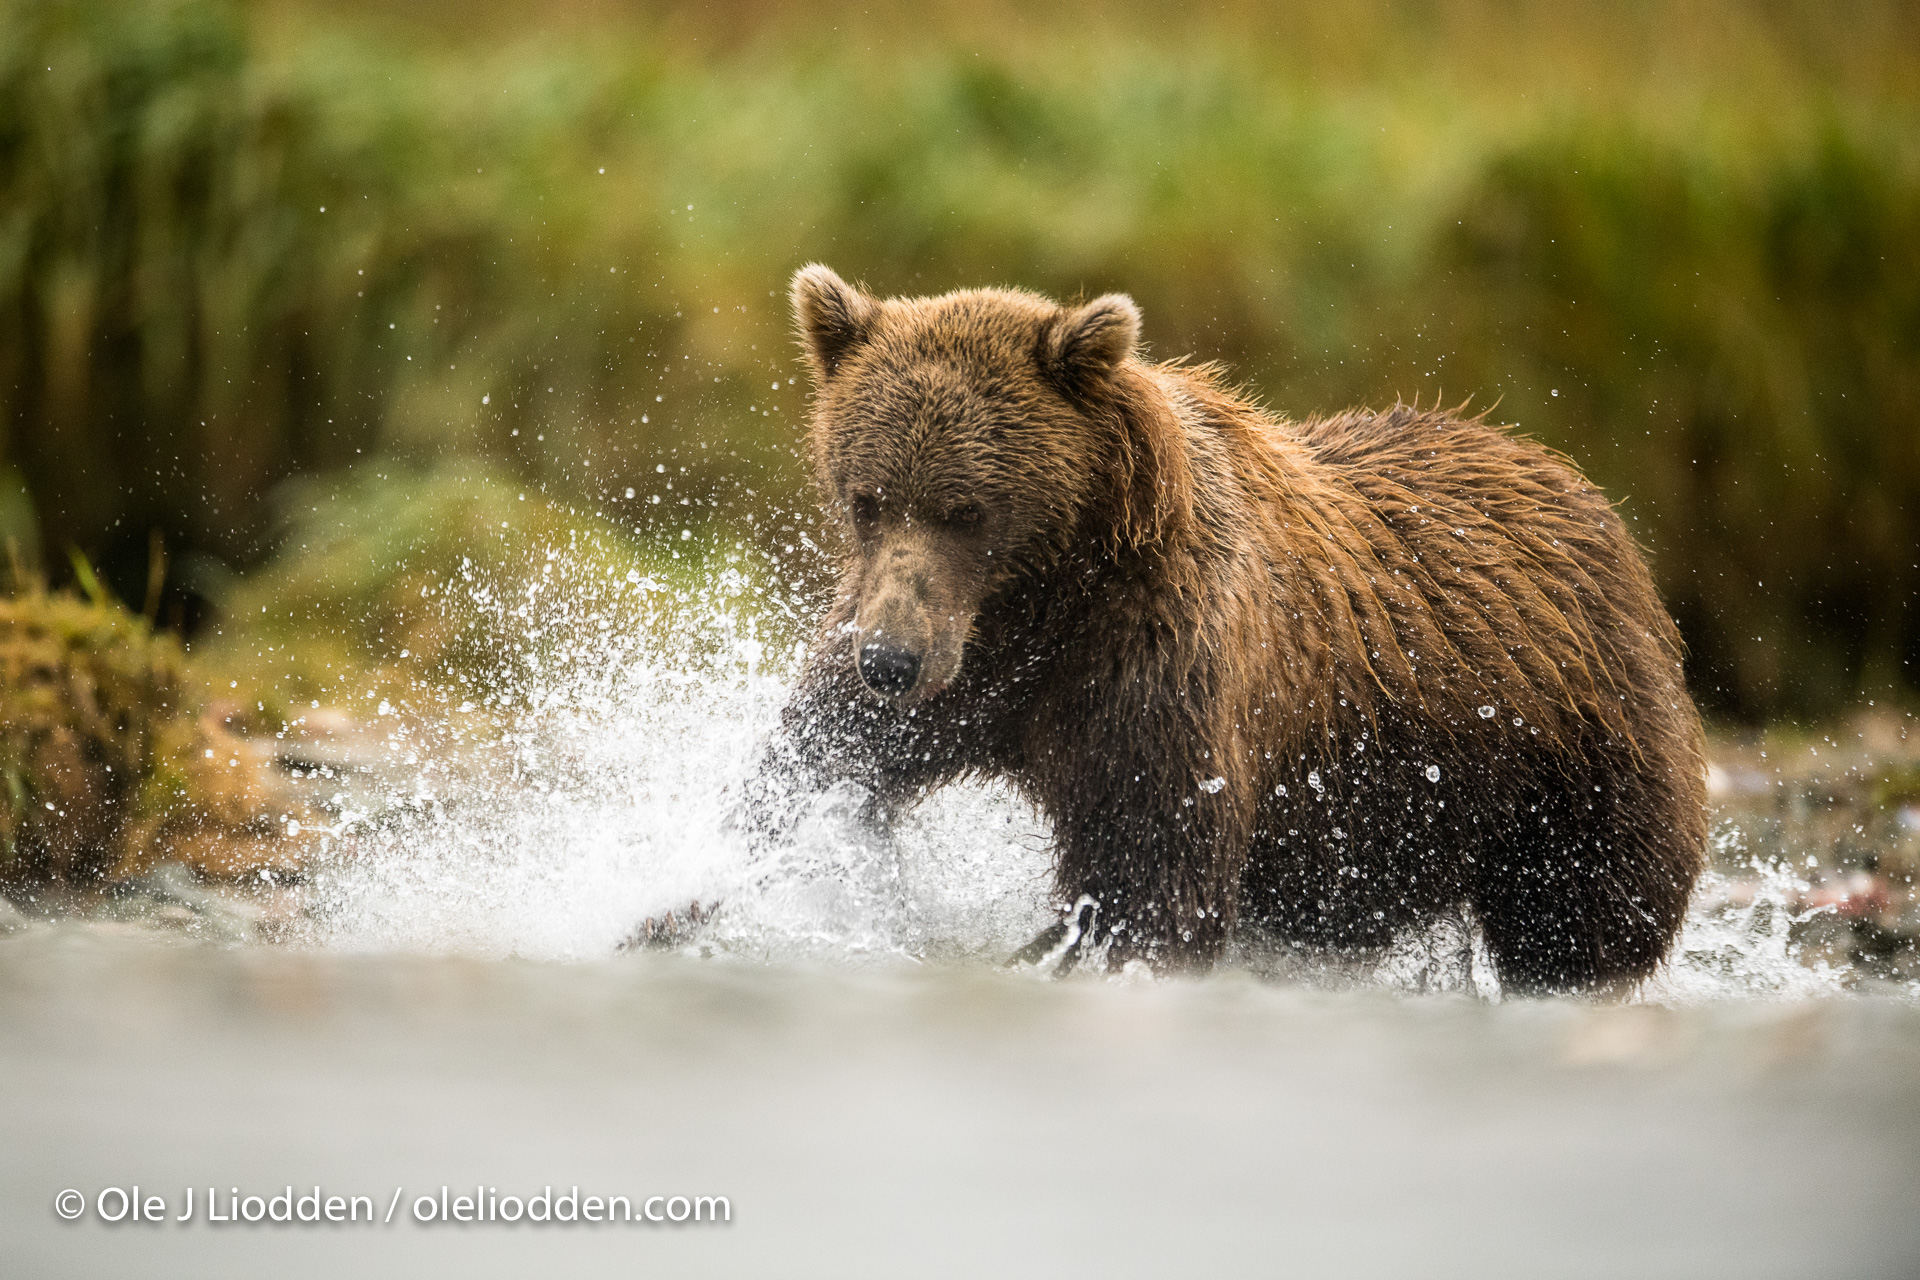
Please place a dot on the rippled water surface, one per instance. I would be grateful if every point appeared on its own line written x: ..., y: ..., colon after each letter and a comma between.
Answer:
x: 837, y: 1052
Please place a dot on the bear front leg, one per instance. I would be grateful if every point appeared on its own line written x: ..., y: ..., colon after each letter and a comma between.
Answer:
x: 831, y: 731
x: 834, y: 730
x: 1159, y: 848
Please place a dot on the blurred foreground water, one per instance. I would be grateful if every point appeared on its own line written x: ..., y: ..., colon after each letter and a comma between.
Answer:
x: 949, y: 1121
x: 440, y: 1000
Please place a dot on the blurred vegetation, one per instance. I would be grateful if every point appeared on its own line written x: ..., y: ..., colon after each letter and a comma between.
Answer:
x: 400, y: 602
x: 454, y: 586
x: 241, y: 243
x: 115, y: 759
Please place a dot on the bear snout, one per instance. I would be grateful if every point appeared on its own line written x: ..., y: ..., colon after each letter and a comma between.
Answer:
x: 909, y: 656
x: 887, y: 669
x: 911, y: 618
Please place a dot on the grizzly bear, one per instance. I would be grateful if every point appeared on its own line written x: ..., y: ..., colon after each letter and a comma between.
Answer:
x: 1329, y: 679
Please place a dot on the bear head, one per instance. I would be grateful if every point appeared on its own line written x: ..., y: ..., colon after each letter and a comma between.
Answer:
x: 966, y: 441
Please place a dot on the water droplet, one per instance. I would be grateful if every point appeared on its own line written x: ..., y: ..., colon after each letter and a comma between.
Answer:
x: 1214, y: 786
x: 1486, y: 713
x: 1433, y: 773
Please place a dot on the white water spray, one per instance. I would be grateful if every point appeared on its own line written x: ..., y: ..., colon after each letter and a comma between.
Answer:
x: 600, y: 795
x: 630, y: 717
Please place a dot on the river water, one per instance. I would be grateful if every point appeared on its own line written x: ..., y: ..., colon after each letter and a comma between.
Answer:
x: 838, y: 1053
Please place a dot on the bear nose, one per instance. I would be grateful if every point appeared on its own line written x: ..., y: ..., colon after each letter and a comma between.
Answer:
x: 887, y: 670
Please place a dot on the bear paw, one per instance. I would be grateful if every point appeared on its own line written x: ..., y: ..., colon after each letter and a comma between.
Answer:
x: 1060, y: 948
x: 671, y: 930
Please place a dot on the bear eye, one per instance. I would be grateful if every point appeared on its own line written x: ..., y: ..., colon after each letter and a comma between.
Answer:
x: 865, y: 508
x: 966, y: 514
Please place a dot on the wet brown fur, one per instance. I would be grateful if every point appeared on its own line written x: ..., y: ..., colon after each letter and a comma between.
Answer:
x: 1224, y: 652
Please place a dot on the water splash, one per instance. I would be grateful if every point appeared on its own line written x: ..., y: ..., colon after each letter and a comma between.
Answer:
x: 1737, y: 940
x: 603, y: 789
x: 603, y: 785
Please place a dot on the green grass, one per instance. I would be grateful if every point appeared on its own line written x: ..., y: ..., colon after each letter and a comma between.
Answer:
x: 1682, y: 243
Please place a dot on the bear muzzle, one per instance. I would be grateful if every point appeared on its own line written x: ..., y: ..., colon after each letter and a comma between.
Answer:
x: 903, y: 653
x: 888, y: 670
x: 913, y: 612
x: 904, y: 667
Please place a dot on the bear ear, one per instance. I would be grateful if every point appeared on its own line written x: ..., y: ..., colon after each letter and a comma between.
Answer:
x: 1087, y: 343
x: 832, y: 315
